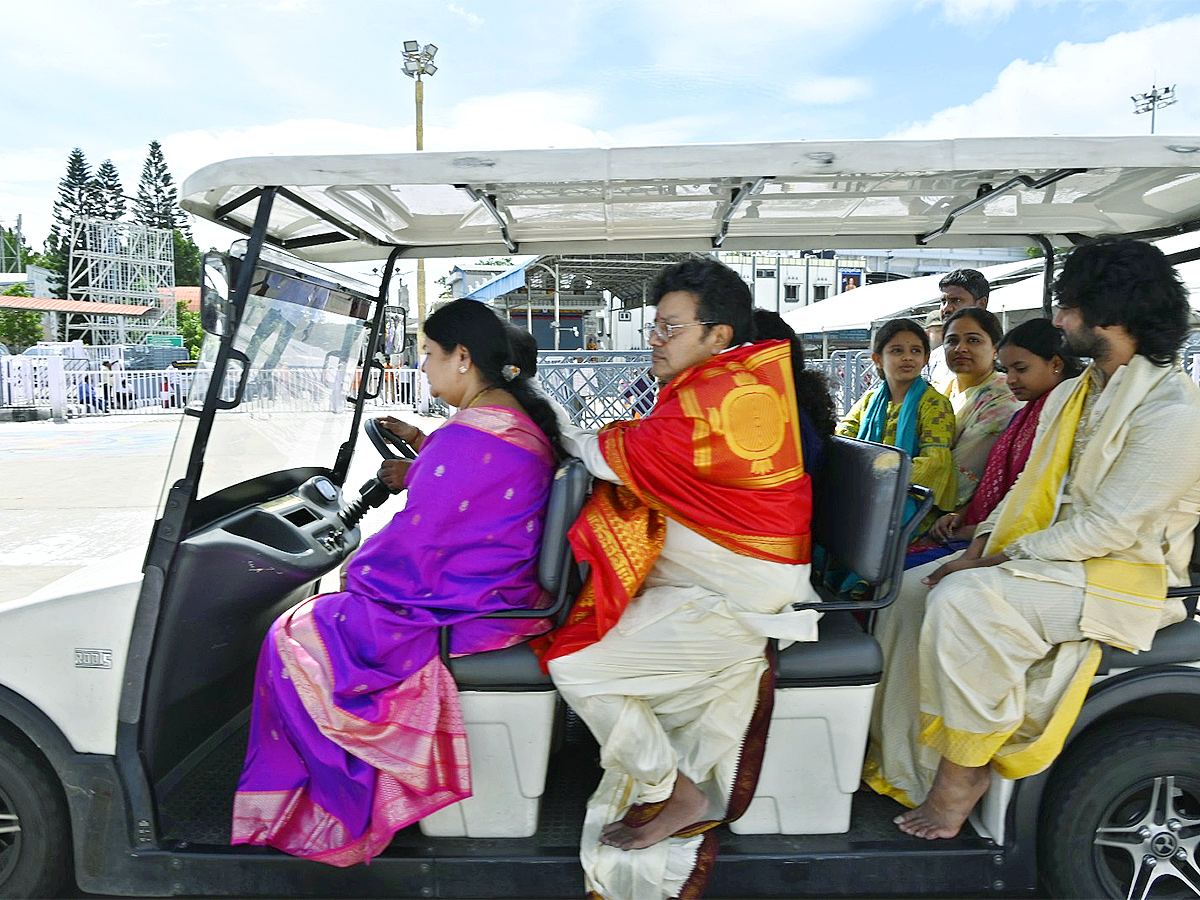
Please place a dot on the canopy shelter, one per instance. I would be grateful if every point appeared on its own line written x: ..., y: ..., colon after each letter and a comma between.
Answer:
x: 971, y: 192
x: 1182, y: 250
x: 553, y: 286
x: 627, y: 277
x: 857, y: 309
x: 99, y: 323
x: 82, y: 307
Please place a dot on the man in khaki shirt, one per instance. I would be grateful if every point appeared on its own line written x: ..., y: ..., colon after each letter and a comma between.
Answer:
x: 1008, y: 631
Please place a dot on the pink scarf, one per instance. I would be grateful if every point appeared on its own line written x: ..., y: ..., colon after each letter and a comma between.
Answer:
x: 1005, y: 461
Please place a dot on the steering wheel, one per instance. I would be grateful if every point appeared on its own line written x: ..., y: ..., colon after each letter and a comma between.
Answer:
x: 381, y: 437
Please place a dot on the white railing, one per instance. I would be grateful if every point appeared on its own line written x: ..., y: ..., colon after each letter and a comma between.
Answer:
x: 596, y: 387
x: 69, y: 392
x: 596, y: 390
x: 850, y: 373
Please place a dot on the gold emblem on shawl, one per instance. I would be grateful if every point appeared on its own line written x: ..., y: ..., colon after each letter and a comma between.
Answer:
x: 753, y: 419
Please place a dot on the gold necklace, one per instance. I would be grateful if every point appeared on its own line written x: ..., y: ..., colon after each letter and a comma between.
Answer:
x: 475, y: 399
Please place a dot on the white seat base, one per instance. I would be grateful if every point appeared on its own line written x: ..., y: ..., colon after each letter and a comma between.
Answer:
x: 813, y: 761
x: 508, y: 740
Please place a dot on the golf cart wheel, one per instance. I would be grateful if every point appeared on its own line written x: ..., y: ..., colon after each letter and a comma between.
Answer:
x: 1122, y: 815
x: 35, y: 834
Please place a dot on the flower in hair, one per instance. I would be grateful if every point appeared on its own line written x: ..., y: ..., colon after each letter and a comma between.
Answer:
x: 510, y: 372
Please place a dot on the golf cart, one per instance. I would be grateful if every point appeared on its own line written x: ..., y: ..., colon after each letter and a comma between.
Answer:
x: 125, y: 687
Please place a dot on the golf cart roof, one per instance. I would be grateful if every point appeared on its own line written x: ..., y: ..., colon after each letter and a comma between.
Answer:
x: 971, y: 192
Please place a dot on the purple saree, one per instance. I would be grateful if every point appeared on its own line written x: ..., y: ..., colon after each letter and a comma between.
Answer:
x: 356, y: 730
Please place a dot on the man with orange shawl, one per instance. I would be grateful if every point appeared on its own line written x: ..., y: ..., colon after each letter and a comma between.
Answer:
x: 1081, y: 550
x: 697, y: 535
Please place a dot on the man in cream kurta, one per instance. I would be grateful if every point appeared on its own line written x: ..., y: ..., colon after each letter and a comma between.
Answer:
x: 670, y: 689
x: 1007, y: 635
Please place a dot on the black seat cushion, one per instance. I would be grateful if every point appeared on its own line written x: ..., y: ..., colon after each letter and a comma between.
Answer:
x: 843, y: 654
x: 511, y: 669
x: 1174, y: 644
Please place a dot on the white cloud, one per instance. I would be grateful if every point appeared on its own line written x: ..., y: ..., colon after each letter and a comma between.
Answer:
x: 288, y: 6
x: 829, y: 91
x: 966, y: 12
x: 472, y: 19
x: 1083, y: 89
x: 691, y: 36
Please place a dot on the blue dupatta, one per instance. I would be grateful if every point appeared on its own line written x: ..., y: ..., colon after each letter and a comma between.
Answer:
x: 907, y: 438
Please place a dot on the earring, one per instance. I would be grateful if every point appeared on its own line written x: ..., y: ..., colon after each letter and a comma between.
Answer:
x: 462, y: 370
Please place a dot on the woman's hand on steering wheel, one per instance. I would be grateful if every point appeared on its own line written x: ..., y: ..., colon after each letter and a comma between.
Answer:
x: 393, y: 472
x: 410, y: 434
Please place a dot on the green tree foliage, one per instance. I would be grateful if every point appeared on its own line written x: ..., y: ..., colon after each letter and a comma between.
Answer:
x: 189, y: 328
x: 108, y: 192
x: 157, y: 202
x: 9, y: 261
x: 77, y: 196
x: 19, y: 328
x: 187, y: 259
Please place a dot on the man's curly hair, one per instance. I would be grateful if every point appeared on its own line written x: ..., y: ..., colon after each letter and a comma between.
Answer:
x: 1118, y: 281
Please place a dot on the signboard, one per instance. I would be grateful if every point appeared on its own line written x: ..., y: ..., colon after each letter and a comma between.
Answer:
x: 856, y: 335
x: 164, y: 340
x: 850, y: 279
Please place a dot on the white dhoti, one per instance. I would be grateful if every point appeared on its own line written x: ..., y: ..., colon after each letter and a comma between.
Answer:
x: 989, y: 666
x: 672, y: 688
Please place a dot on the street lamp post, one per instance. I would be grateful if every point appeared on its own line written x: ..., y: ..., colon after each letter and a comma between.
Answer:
x: 1150, y: 101
x: 418, y: 62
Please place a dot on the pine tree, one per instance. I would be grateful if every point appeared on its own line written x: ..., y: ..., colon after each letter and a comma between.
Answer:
x: 157, y: 197
x: 77, y: 196
x: 109, y: 192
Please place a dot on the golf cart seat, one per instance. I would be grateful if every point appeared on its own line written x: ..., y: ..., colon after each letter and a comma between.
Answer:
x: 824, y: 689
x: 1178, y: 643
x: 508, y: 702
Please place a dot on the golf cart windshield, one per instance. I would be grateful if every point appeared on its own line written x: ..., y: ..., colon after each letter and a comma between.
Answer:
x: 286, y: 399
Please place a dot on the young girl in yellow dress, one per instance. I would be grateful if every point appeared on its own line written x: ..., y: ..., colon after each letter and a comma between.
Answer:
x: 906, y: 412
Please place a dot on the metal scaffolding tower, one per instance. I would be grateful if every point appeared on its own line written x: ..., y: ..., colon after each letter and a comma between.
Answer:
x: 121, y: 262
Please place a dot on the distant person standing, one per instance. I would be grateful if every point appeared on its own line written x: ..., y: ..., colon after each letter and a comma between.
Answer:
x: 107, y: 384
x: 936, y: 369
x: 960, y: 289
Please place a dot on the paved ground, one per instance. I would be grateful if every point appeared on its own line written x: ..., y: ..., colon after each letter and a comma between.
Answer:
x: 76, y: 492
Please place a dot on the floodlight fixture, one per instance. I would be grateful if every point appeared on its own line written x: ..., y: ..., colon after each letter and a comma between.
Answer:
x: 1152, y: 100
x: 418, y: 60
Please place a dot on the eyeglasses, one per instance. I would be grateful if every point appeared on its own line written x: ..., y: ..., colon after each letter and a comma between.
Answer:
x: 664, y: 332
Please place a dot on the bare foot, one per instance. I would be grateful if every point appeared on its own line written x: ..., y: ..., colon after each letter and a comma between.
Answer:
x: 955, y: 791
x: 686, y: 806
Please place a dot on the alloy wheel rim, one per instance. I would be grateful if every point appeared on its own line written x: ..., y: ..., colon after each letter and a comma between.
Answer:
x: 1146, y: 842
x: 10, y: 836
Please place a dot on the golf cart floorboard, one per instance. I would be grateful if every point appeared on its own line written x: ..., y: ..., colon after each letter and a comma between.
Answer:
x: 196, y: 810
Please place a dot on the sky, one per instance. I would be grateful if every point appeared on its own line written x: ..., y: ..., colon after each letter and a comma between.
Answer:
x: 216, y: 79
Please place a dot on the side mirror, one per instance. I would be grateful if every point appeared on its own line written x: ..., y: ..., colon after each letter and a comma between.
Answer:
x: 214, y: 295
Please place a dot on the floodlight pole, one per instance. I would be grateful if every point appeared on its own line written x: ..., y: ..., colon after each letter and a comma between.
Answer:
x: 420, y: 92
x: 418, y: 61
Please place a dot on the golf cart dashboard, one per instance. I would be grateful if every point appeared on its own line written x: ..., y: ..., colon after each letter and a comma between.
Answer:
x: 300, y: 532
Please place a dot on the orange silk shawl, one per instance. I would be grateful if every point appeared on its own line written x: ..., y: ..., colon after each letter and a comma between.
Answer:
x: 720, y: 454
